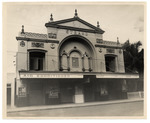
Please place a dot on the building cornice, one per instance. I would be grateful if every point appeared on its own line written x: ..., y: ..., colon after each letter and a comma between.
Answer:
x: 106, y: 46
x: 37, y: 40
x: 76, y: 29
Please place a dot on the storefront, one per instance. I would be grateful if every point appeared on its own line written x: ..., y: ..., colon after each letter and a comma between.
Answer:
x: 76, y: 88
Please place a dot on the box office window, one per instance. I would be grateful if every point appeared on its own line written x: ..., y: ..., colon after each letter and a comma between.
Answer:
x: 75, y: 62
x: 37, y: 60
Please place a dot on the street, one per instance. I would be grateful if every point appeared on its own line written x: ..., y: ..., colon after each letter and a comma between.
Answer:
x: 120, y: 109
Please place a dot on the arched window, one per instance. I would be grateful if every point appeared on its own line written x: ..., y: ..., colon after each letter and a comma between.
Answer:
x: 76, y: 46
x: 75, y: 61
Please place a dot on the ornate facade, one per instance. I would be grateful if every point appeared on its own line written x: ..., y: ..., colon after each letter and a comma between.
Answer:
x: 72, y: 63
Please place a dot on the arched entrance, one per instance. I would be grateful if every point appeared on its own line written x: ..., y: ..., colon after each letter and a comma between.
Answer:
x: 76, y: 53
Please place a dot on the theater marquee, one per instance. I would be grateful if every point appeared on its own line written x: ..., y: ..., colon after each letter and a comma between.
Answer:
x: 46, y: 75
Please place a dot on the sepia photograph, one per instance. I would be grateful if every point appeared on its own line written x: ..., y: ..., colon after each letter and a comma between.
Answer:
x: 74, y: 60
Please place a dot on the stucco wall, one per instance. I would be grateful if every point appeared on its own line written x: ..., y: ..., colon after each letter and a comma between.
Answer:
x: 52, y: 54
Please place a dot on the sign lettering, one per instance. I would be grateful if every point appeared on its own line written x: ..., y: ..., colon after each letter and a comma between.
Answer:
x: 30, y: 75
x: 76, y: 32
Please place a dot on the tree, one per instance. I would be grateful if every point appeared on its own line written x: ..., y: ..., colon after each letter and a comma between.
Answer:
x: 134, y: 61
x: 132, y: 57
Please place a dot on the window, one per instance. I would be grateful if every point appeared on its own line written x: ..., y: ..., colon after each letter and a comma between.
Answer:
x: 75, y: 62
x: 110, y: 63
x: 37, y: 60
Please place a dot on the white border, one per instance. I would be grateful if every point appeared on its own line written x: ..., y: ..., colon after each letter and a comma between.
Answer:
x: 106, y: 121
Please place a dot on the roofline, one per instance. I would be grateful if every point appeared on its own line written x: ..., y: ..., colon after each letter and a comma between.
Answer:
x: 75, y: 28
x: 37, y: 40
x: 55, y: 24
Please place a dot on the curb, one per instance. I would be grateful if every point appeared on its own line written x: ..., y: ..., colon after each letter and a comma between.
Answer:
x: 51, y: 107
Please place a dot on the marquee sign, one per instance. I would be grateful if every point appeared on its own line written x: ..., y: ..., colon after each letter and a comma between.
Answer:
x: 49, y: 75
x: 117, y: 76
x: 75, y: 75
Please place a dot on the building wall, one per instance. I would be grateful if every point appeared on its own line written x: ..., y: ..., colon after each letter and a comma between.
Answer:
x: 52, y: 55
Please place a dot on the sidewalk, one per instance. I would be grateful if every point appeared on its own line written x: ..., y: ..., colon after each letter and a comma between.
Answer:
x: 48, y: 107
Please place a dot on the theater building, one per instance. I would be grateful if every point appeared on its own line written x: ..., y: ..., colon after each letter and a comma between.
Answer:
x: 72, y: 63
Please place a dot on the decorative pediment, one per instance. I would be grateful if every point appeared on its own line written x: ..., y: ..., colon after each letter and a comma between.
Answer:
x: 76, y: 24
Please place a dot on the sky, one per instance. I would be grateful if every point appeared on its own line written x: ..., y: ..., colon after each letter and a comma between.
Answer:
x: 125, y: 21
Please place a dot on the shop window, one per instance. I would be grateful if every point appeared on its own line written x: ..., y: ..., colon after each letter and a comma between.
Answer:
x: 37, y: 60
x: 75, y: 62
x: 110, y: 63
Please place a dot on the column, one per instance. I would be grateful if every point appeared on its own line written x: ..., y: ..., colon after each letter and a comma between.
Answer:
x: 89, y: 64
x: 68, y: 63
x: 60, y: 63
x: 45, y: 62
x: 28, y: 60
x: 117, y: 63
x: 83, y: 69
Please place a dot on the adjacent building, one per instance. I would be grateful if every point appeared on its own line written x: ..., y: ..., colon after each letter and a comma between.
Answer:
x: 72, y: 63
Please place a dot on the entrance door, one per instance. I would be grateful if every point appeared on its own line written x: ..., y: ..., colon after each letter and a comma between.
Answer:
x: 8, y: 96
x: 36, y: 96
x: 66, y: 93
x: 88, y: 92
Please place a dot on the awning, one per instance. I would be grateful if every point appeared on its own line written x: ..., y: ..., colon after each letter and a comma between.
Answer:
x: 67, y: 75
x: 122, y: 76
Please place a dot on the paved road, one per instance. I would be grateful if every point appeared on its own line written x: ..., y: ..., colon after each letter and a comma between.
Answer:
x: 121, y: 109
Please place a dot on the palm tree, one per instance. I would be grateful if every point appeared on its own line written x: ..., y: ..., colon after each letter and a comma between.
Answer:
x: 132, y: 57
x: 134, y: 60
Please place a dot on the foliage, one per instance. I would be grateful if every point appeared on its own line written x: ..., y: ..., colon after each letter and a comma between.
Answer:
x: 134, y: 60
